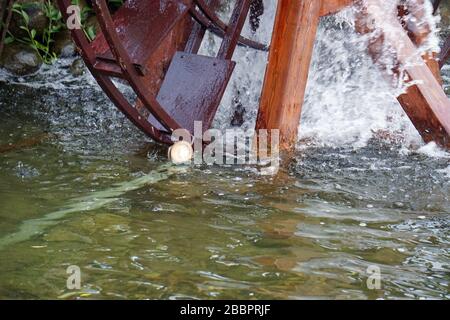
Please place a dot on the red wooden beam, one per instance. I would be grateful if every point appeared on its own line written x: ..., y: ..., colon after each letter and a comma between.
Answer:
x: 287, y: 71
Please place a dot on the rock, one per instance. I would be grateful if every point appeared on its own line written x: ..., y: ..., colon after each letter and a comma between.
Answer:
x: 238, y: 116
x: 64, y: 46
x: 20, y: 59
x: 38, y: 19
x: 68, y: 50
x: 77, y: 68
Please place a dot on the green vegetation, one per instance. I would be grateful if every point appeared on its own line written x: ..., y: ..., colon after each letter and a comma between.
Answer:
x: 42, y: 42
x: 86, y: 12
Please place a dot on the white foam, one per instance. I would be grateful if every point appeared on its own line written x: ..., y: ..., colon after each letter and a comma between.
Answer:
x: 433, y: 150
x: 445, y: 172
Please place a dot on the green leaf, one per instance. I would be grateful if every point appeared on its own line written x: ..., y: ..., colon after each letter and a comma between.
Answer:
x: 9, y: 40
x: 40, y: 46
x: 33, y: 33
x: 25, y: 17
x: 91, y: 32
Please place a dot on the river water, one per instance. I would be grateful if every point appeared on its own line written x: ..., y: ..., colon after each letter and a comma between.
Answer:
x: 80, y: 186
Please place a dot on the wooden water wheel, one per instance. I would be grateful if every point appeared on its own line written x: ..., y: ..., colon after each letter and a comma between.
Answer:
x: 153, y: 45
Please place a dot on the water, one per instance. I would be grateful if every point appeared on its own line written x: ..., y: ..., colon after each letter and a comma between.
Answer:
x: 89, y: 190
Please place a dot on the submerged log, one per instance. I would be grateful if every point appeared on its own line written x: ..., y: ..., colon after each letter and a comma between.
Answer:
x: 286, y: 76
x: 425, y: 102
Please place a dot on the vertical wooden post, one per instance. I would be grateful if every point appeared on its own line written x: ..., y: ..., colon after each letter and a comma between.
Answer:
x: 287, y: 71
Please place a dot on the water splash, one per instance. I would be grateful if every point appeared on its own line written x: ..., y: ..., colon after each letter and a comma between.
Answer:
x: 347, y: 99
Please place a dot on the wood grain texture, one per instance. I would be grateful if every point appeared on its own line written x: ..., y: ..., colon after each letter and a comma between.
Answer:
x: 286, y: 75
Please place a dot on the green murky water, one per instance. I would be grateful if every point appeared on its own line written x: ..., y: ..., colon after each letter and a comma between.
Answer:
x: 90, y: 191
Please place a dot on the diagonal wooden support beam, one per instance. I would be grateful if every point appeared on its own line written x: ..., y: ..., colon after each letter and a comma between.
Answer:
x: 286, y: 76
x: 424, y: 102
x: 414, y: 19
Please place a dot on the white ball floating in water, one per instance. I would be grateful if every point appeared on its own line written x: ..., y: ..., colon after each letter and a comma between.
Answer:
x: 180, y: 152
